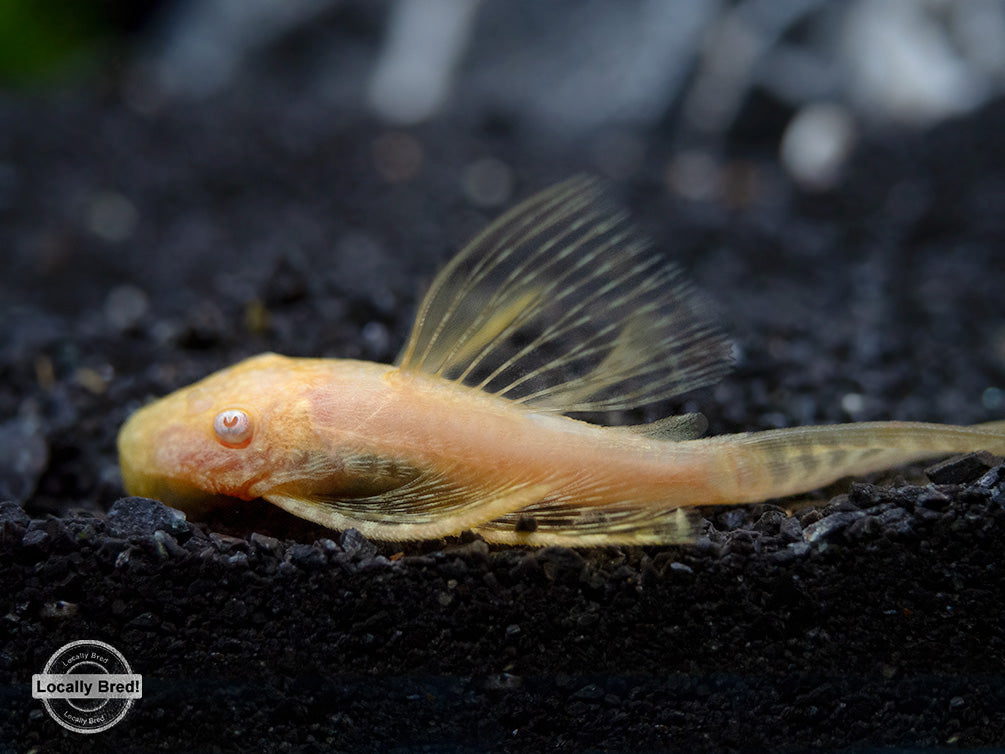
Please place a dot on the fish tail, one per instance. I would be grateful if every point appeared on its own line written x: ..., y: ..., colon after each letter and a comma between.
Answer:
x: 995, y: 427
x: 782, y: 462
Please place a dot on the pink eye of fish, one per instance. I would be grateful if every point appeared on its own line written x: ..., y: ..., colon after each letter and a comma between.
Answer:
x: 233, y: 428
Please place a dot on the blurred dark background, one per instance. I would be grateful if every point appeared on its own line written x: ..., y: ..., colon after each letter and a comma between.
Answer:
x: 154, y: 144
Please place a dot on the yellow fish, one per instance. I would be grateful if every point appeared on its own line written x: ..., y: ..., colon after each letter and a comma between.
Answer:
x: 556, y: 308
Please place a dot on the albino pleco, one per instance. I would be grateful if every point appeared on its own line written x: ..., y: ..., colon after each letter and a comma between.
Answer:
x: 558, y: 307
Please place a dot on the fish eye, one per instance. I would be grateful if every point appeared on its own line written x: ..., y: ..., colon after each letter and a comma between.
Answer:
x: 233, y: 428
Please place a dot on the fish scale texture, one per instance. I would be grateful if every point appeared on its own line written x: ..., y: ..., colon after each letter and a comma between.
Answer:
x: 870, y: 618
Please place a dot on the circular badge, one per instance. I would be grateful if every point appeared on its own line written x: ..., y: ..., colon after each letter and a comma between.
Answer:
x: 87, y: 686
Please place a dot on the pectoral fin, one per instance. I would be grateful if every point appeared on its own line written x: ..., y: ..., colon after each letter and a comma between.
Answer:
x: 427, y: 507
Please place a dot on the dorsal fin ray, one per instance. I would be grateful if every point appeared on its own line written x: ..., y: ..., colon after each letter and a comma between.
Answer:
x: 561, y: 306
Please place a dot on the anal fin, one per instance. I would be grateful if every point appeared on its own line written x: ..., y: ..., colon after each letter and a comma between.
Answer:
x: 554, y: 522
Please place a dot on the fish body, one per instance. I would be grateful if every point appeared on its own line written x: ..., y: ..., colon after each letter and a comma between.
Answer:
x: 555, y: 309
x: 335, y: 428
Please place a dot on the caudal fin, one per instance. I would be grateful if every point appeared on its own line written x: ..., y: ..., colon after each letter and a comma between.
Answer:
x: 782, y: 462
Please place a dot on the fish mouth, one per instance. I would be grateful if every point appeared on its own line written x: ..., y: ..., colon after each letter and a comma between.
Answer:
x: 170, y: 491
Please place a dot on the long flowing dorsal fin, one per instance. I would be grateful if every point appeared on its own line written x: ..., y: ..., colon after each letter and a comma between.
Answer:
x: 560, y: 305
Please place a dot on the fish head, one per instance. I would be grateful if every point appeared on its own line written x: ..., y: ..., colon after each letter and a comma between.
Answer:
x: 229, y: 436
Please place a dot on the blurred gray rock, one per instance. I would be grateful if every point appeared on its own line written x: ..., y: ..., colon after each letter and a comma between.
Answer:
x: 24, y: 455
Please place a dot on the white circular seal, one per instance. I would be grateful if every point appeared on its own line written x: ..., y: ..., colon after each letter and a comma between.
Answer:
x: 87, y: 686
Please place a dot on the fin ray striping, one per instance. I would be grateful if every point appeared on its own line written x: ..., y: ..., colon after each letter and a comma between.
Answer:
x: 561, y: 306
